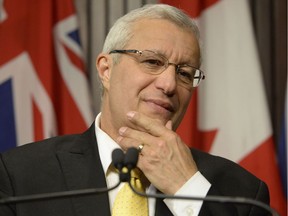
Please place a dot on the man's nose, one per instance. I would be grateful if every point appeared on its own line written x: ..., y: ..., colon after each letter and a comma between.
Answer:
x: 167, y: 81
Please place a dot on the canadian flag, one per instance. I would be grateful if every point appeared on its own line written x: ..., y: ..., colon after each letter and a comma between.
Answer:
x: 229, y: 115
x: 43, y: 87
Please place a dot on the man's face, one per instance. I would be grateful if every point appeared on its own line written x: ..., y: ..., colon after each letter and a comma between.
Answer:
x: 129, y: 88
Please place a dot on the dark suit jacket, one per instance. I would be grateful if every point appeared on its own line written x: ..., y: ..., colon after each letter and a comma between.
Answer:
x: 72, y: 162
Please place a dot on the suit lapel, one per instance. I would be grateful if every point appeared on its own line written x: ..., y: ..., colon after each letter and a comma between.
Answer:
x: 82, y: 169
x: 162, y: 209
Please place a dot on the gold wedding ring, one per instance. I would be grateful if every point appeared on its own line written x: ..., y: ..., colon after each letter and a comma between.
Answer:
x: 140, y: 147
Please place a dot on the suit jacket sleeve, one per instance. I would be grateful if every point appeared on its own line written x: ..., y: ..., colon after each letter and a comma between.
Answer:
x: 229, y: 179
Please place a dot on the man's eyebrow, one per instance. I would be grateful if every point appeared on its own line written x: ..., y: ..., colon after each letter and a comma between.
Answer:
x: 188, y: 61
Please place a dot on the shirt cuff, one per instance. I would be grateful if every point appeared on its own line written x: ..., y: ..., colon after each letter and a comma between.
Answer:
x: 196, y: 186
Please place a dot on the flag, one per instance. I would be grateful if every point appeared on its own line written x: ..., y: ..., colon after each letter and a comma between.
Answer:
x: 282, y: 145
x: 229, y: 116
x: 44, y: 89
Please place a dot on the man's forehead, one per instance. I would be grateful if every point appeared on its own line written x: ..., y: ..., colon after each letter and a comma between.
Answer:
x: 156, y: 31
x: 166, y: 44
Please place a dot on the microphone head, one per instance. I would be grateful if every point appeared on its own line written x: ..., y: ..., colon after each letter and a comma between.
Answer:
x: 118, y: 158
x: 131, y: 158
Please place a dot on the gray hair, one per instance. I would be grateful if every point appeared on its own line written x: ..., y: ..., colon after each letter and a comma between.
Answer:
x: 121, y: 32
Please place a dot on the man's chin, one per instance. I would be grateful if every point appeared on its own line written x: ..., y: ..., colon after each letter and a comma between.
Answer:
x: 164, y: 120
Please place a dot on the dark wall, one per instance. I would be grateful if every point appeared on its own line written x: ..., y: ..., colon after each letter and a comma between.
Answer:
x: 270, y: 24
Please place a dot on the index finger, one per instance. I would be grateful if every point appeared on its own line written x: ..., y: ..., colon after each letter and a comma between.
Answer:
x: 150, y: 125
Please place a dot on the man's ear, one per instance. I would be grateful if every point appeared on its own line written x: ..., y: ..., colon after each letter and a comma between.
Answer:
x: 104, y: 66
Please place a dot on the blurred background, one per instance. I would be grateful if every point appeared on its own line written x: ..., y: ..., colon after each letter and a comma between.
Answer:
x: 49, y: 84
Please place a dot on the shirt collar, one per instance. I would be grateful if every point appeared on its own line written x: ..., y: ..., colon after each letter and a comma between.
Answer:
x: 106, y: 144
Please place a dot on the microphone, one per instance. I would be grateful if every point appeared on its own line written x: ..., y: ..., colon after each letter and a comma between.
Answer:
x: 129, y: 163
x: 131, y: 158
x: 118, y: 159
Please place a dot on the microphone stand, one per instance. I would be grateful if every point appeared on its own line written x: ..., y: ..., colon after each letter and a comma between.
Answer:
x: 219, y: 199
x: 130, y: 160
x: 54, y: 195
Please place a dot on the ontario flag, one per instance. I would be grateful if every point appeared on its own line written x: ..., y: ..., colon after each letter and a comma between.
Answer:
x: 229, y: 114
x: 43, y: 87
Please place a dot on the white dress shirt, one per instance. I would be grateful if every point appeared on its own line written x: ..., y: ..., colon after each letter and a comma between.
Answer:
x: 197, y: 185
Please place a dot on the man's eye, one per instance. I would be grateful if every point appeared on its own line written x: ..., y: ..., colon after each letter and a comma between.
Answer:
x: 153, y: 62
x: 185, y: 75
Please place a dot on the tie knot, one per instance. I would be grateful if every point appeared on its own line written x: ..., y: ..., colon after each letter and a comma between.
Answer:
x: 137, y: 173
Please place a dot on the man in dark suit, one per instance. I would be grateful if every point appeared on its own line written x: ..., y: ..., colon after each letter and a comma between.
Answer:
x: 149, y: 69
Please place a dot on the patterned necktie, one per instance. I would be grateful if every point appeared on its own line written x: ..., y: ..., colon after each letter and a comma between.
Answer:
x: 127, y: 203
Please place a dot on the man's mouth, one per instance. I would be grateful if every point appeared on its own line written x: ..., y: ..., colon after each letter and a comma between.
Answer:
x: 161, y: 104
